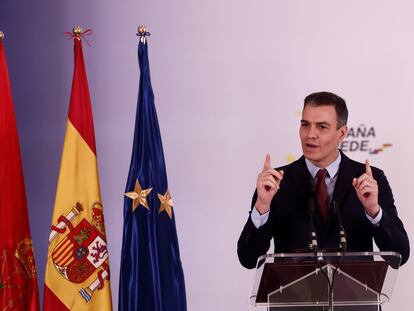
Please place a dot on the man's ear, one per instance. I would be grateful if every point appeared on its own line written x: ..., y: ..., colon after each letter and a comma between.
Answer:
x: 342, y: 132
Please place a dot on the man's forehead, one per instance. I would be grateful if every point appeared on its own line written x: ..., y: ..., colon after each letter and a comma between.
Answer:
x: 319, y: 114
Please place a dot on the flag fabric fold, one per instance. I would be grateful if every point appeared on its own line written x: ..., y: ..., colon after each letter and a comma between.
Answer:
x: 151, y: 275
x: 77, y: 269
x: 18, y: 279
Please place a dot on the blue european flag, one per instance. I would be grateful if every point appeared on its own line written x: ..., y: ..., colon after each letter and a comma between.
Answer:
x: 151, y: 276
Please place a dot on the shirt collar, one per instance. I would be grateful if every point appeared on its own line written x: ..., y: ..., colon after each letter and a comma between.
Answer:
x: 331, y: 168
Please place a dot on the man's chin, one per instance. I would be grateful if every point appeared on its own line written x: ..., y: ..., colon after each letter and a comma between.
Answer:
x: 311, y: 156
x: 314, y: 158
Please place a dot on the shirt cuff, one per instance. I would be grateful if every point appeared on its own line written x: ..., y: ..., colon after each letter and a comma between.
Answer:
x: 258, y: 219
x: 376, y: 220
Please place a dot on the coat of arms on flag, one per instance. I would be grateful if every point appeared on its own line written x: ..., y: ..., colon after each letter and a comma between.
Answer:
x: 15, y: 277
x: 83, y: 249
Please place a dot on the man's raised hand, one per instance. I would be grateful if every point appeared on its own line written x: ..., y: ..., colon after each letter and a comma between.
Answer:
x: 267, y: 185
x: 366, y: 188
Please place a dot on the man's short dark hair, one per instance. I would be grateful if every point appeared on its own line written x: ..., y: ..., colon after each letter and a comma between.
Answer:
x: 329, y: 99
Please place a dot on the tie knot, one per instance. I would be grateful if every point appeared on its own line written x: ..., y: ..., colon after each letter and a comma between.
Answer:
x: 322, y: 173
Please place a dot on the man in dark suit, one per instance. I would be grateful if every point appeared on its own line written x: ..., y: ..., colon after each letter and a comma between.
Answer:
x: 358, y: 193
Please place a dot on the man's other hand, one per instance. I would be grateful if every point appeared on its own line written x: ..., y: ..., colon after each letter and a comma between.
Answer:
x: 268, y: 183
x: 366, y: 188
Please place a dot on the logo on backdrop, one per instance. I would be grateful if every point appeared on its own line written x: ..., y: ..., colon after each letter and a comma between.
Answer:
x: 364, y: 139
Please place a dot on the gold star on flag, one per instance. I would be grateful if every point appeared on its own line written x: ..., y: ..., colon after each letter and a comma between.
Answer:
x: 290, y: 158
x: 138, y: 196
x: 166, y: 203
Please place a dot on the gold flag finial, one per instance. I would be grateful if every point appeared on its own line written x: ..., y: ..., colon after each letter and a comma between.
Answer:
x: 78, y: 33
x: 142, y: 30
x: 143, y: 33
x: 1, y: 35
x: 77, y: 30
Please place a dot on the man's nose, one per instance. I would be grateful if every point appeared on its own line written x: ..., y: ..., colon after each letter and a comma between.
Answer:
x: 312, y: 132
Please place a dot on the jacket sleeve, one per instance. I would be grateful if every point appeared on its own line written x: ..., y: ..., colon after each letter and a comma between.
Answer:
x: 390, y: 235
x: 254, y: 242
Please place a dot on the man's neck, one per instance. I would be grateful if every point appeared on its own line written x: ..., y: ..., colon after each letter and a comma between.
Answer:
x: 332, y: 167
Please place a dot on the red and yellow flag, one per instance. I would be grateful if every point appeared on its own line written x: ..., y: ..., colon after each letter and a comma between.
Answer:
x: 18, y: 281
x: 77, y: 269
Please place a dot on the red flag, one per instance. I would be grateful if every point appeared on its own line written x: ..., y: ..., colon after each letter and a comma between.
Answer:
x: 18, y: 280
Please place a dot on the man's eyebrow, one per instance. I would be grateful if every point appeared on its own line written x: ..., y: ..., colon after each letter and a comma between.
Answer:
x: 326, y: 123
x: 323, y: 123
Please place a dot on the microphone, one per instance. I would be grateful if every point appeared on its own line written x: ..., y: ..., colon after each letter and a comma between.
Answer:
x: 342, y: 234
x: 313, y: 243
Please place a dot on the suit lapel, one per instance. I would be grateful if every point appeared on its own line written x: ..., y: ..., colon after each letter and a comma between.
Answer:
x: 344, y: 181
x: 303, y: 185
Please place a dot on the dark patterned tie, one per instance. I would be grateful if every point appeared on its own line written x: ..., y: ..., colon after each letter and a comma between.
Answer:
x: 321, y: 191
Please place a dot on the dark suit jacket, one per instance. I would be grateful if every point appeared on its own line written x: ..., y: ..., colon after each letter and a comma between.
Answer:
x: 289, y: 220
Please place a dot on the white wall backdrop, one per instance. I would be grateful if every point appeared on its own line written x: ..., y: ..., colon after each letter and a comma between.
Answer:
x: 229, y: 79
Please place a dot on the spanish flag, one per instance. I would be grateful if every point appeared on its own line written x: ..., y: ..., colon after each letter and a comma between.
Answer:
x: 18, y: 280
x: 77, y: 269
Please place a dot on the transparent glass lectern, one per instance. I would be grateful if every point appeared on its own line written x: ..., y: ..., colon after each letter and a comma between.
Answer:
x: 325, y: 281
